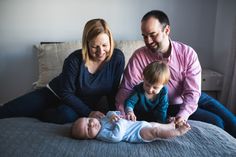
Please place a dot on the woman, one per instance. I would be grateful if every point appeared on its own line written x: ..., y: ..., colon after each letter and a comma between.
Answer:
x: 88, y: 75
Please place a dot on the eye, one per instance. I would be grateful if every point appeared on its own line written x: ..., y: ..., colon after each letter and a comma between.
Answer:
x: 144, y: 37
x: 154, y: 35
x: 94, y: 47
x: 155, y: 88
x: 88, y: 128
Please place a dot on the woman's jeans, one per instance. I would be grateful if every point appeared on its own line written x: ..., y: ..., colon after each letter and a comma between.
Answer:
x: 211, y: 111
x: 41, y: 104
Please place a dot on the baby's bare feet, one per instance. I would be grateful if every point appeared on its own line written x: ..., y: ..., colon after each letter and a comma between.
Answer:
x: 169, y: 126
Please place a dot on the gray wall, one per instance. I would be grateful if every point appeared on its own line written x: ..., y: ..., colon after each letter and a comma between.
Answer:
x: 226, y: 19
x: 27, y: 22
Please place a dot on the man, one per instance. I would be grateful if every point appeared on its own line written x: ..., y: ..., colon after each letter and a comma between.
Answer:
x: 185, y: 96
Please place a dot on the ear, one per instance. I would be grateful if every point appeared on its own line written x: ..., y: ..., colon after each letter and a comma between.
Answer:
x: 167, y: 29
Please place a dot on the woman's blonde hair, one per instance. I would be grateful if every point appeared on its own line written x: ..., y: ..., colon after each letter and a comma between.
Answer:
x: 157, y: 72
x: 92, y: 29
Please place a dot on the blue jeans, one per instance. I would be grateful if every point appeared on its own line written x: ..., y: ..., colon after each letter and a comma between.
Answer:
x: 212, y: 111
x: 41, y: 104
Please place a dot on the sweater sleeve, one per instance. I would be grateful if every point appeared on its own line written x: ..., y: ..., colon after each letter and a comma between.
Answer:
x: 119, y: 63
x: 160, y: 112
x: 69, y: 75
x: 192, y: 84
x: 132, y: 76
x: 130, y: 102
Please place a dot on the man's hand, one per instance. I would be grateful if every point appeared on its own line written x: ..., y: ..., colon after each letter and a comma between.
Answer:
x: 131, y: 116
x: 96, y: 114
x: 179, y: 121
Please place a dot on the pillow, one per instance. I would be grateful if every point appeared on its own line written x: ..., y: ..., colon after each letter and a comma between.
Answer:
x: 51, y: 58
x: 128, y: 47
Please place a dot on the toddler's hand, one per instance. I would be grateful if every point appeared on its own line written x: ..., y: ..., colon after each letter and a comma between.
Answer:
x: 131, y: 116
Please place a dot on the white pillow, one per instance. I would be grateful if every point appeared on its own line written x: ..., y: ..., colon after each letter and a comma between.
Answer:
x: 51, y: 58
x: 128, y: 47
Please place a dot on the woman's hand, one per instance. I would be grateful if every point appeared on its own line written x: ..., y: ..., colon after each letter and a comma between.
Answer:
x: 96, y: 114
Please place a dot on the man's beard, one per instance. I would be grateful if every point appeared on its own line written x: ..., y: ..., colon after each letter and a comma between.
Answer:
x: 155, y: 49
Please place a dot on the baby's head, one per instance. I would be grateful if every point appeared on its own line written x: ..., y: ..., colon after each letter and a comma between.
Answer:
x: 155, y: 76
x: 85, y: 128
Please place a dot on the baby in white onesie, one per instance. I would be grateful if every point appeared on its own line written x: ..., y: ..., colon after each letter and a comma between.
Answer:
x: 114, y: 128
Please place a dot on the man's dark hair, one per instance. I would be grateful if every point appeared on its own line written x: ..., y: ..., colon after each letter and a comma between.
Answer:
x: 160, y: 15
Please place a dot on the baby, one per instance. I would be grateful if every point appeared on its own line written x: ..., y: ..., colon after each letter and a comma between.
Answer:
x: 114, y: 128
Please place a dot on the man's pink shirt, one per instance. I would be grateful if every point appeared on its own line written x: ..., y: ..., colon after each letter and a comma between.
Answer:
x: 184, y: 87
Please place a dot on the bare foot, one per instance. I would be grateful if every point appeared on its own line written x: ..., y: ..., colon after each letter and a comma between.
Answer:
x: 169, y: 126
x: 170, y: 131
x: 182, y: 129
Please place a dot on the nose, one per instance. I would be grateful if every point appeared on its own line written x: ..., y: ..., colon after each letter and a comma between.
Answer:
x: 149, y: 39
x: 99, y: 49
x: 150, y: 90
x: 91, y: 124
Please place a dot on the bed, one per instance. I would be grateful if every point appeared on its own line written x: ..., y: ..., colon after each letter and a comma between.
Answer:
x: 29, y: 137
